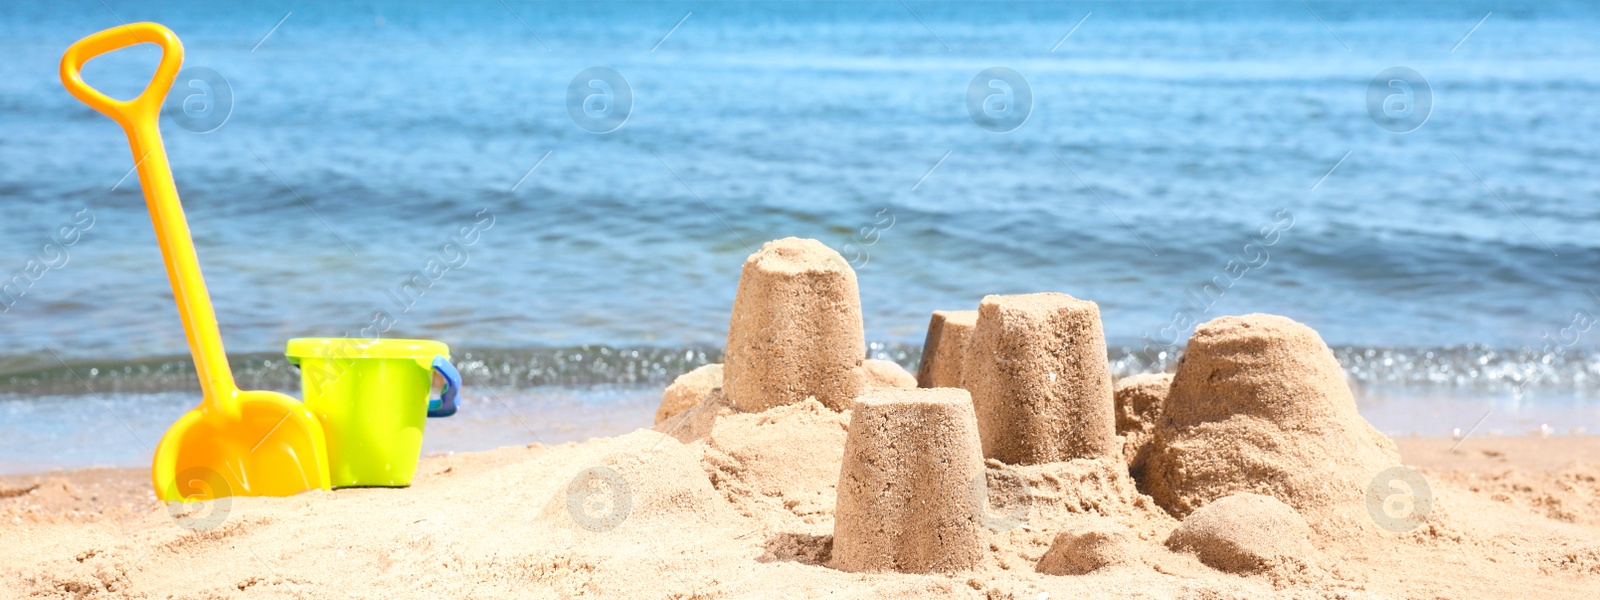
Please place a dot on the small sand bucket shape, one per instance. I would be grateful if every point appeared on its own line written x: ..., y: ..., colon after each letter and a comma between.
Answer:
x: 372, y: 397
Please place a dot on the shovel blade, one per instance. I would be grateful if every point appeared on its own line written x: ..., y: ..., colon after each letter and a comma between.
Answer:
x: 273, y: 447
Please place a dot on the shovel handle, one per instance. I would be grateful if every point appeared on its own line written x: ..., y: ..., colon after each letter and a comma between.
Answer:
x: 147, y: 106
x: 140, y: 118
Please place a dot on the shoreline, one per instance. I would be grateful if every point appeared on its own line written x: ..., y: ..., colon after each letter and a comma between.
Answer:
x: 493, y: 417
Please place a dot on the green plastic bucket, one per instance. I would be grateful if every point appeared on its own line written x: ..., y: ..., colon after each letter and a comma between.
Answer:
x: 372, y: 397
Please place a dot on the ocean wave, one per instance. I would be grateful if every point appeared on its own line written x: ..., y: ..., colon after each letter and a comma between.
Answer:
x: 1467, y: 366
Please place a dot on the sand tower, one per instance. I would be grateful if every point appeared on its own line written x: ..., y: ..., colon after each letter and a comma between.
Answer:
x: 945, y: 348
x: 1036, y: 367
x: 796, y: 329
x: 1259, y: 404
x: 1139, y: 399
x: 906, y: 501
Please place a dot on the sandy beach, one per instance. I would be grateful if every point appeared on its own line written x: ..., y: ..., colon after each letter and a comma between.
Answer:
x: 799, y: 299
x: 1517, y: 517
x: 799, y: 468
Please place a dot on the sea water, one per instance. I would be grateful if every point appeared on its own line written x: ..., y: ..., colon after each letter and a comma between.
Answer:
x: 427, y: 170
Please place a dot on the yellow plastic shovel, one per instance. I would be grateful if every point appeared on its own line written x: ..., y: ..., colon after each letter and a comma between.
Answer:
x: 236, y: 443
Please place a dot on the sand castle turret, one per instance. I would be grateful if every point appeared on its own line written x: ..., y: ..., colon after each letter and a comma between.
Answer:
x: 945, y: 348
x: 796, y: 330
x: 1036, y: 368
x: 906, y: 500
x: 1259, y: 404
x: 1139, y: 399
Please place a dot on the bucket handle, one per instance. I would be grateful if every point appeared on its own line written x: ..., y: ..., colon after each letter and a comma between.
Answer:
x: 445, y: 404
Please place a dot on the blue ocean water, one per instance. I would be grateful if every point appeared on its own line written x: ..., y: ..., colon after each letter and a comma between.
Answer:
x: 1179, y: 161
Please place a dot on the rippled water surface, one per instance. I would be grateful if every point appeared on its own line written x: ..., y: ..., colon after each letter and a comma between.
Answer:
x: 1166, y: 145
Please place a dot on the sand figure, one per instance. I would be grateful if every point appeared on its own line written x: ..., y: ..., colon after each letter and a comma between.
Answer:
x: 1139, y: 399
x: 886, y: 373
x: 1093, y: 543
x: 1036, y: 368
x: 1260, y: 404
x: 796, y: 329
x: 1245, y: 533
x: 688, y: 390
x: 905, y: 502
x: 949, y: 331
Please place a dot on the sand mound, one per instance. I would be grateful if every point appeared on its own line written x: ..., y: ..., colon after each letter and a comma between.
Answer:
x: 1245, y: 533
x: 782, y: 464
x: 1030, y: 506
x: 638, y: 478
x: 695, y: 423
x: 887, y: 373
x: 1094, y: 544
x: 796, y: 329
x: 910, y: 496
x: 949, y: 331
x: 1036, y: 368
x: 1259, y: 404
x: 1139, y: 399
x: 688, y: 390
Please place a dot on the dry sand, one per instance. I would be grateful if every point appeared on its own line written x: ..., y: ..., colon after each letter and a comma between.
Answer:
x: 1139, y: 399
x: 886, y: 373
x: 1246, y: 533
x: 1090, y: 544
x: 688, y: 390
x: 740, y: 516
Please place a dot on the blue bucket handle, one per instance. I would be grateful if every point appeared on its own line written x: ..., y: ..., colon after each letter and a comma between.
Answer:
x: 445, y: 404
